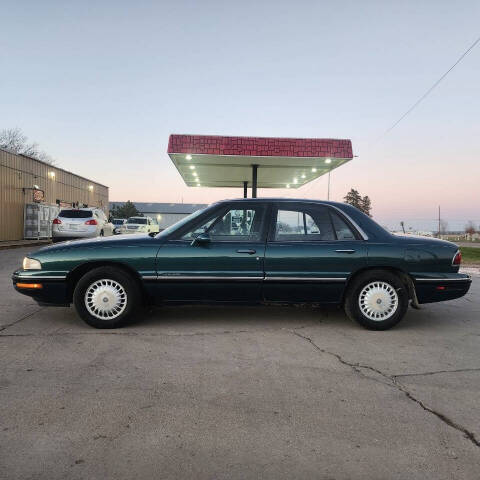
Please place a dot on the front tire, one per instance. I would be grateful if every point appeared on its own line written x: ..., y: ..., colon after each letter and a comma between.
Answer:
x: 107, y: 297
x: 377, y: 300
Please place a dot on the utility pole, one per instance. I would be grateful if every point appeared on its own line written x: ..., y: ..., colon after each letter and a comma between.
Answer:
x: 439, y: 221
x: 328, y: 192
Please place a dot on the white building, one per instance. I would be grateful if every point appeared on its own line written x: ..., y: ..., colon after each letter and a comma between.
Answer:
x: 166, y: 213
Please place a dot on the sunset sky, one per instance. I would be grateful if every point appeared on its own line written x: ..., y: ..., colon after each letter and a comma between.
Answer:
x: 101, y: 85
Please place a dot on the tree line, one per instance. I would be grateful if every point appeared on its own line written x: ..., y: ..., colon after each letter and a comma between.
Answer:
x: 364, y: 204
x: 127, y: 210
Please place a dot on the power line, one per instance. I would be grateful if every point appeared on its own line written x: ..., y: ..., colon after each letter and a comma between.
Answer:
x: 425, y: 95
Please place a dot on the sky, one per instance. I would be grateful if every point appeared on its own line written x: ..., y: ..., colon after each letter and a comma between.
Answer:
x: 101, y: 85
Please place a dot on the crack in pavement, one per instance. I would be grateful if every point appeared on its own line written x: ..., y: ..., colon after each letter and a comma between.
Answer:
x: 138, y: 334
x: 20, y: 319
x: 392, y: 381
x: 435, y: 372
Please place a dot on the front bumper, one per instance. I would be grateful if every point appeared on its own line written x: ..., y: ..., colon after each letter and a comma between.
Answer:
x: 129, y: 232
x: 53, y: 291
x: 438, y: 288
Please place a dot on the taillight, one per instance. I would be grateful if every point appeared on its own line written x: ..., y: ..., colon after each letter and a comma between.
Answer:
x: 57, y: 221
x: 457, y: 259
x: 91, y: 222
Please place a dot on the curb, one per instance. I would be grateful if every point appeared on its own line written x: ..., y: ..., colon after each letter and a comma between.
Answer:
x: 34, y: 243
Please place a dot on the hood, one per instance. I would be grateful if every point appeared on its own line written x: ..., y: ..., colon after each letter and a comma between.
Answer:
x: 100, y: 242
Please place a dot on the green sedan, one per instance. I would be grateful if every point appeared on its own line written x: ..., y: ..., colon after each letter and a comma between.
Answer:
x: 249, y: 251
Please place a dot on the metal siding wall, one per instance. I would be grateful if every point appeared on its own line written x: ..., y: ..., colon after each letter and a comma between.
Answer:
x: 17, y: 172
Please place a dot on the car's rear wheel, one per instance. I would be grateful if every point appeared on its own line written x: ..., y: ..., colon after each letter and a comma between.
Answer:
x: 107, y: 297
x: 377, y: 300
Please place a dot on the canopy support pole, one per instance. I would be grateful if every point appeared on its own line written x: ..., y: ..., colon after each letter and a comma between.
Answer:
x: 254, y: 181
x: 245, y: 185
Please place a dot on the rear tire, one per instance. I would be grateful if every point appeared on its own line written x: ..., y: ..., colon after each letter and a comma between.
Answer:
x: 107, y: 297
x: 377, y: 300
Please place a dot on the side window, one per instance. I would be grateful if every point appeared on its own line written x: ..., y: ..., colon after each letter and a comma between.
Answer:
x: 304, y: 225
x: 203, y: 228
x: 342, y: 230
x: 240, y: 225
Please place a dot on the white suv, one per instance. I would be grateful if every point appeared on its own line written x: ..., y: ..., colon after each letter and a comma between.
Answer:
x: 73, y: 223
x: 141, y: 225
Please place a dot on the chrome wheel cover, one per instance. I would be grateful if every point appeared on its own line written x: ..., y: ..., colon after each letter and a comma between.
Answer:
x: 378, y: 301
x: 105, y: 299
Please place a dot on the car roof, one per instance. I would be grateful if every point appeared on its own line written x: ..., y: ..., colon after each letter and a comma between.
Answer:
x: 86, y: 209
x: 282, y: 200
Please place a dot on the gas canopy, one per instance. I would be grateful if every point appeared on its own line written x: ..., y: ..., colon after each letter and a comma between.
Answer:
x: 217, y: 161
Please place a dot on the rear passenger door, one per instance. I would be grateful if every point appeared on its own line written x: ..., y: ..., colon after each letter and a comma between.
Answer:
x: 311, y: 251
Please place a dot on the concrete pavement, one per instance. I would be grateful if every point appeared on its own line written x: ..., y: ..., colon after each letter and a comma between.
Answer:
x: 238, y: 392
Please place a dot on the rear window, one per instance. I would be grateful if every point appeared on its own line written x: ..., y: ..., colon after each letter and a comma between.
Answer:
x: 75, y: 213
x: 138, y: 221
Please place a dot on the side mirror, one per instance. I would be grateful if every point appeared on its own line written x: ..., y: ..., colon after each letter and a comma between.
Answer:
x: 201, y: 239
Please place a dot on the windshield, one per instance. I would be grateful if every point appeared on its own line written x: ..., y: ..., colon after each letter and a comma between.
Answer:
x: 75, y: 214
x: 117, y: 221
x: 137, y: 221
x: 182, y: 222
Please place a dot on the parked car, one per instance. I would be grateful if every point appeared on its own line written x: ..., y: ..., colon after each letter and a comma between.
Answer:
x: 141, y: 225
x: 119, y: 225
x: 249, y: 251
x: 74, y: 223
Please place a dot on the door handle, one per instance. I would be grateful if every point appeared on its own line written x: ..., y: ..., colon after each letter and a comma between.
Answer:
x: 345, y: 251
x: 250, y: 252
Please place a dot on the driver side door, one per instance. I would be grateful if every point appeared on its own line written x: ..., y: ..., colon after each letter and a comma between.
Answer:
x: 227, y: 265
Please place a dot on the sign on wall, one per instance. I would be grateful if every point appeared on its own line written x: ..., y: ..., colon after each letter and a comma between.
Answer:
x: 38, y: 196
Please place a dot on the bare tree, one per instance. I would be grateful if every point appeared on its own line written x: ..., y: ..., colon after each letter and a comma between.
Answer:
x: 470, y: 228
x: 15, y: 140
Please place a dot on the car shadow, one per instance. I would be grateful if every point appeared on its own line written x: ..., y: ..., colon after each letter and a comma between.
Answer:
x: 240, y: 316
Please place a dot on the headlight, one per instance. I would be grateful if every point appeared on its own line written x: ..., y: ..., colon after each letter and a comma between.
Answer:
x: 31, y: 264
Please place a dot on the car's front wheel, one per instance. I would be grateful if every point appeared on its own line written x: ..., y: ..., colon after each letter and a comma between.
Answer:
x: 377, y: 300
x: 107, y: 297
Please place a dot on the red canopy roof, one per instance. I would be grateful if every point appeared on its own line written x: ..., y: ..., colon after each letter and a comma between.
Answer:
x: 260, y: 146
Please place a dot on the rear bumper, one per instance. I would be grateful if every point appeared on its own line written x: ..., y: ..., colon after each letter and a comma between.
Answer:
x: 431, y: 289
x: 89, y: 232
x: 53, y: 291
